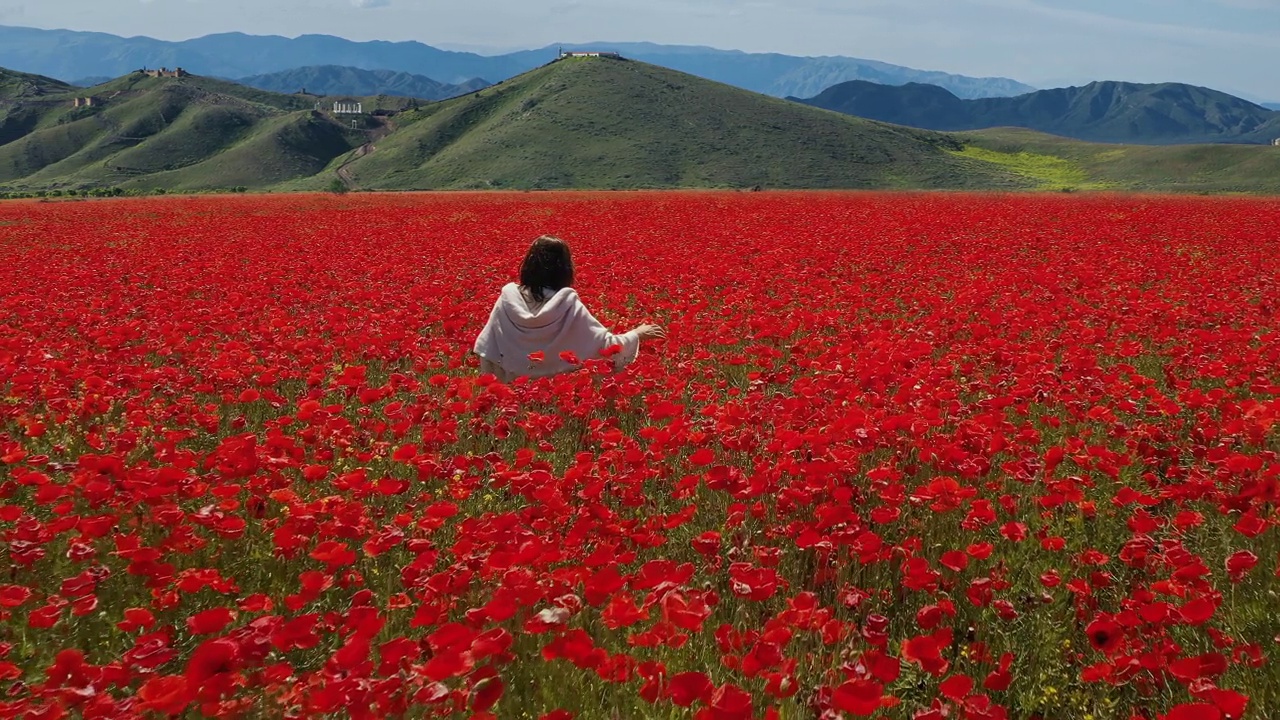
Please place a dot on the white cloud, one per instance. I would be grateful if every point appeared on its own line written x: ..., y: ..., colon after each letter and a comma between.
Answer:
x: 370, y: 3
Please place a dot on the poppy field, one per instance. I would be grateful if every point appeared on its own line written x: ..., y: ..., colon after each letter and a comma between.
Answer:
x: 901, y: 456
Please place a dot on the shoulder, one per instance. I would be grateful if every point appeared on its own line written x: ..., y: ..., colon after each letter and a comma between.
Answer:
x: 568, y: 295
x: 566, y: 300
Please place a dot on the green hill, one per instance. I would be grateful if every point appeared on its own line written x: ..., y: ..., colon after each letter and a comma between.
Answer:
x: 24, y: 99
x: 1160, y: 114
x: 15, y: 86
x: 186, y: 133
x: 614, y: 123
x: 1058, y: 163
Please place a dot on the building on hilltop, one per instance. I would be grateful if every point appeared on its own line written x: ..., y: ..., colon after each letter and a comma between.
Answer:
x: 166, y: 73
x: 588, y: 53
x: 348, y: 108
x: 1276, y: 142
x: 84, y: 102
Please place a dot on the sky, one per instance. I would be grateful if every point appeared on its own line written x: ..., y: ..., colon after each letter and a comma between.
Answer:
x: 1230, y: 45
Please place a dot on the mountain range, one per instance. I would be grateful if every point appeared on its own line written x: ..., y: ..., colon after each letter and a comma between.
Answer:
x: 73, y: 56
x: 338, y: 80
x: 590, y: 123
x: 1115, y: 112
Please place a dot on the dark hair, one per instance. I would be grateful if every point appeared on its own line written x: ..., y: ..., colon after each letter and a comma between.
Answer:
x: 547, y: 266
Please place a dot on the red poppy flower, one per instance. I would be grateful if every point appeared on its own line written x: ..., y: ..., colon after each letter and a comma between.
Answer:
x: 165, y: 694
x: 12, y: 596
x: 210, y: 621
x: 1239, y: 564
x: 926, y: 651
x: 1105, y: 635
x: 486, y: 694
x: 727, y: 702
x: 686, y: 688
x: 1194, y: 711
x: 1198, y: 611
x: 860, y: 698
x: 1232, y: 704
x: 212, y: 658
x: 955, y: 560
x: 956, y: 687
x: 702, y: 457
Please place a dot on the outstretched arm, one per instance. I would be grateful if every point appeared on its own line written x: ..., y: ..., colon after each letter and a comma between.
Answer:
x: 628, y: 341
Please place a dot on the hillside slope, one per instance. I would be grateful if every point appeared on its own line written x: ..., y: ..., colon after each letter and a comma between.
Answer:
x: 72, y: 55
x: 16, y: 85
x: 1165, y: 113
x: 604, y: 123
x: 172, y: 133
x: 339, y: 80
x: 1057, y: 163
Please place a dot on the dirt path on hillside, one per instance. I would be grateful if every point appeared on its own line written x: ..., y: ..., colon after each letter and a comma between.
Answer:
x: 344, y: 174
x: 376, y: 134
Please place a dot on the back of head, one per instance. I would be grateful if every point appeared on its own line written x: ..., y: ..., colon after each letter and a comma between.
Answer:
x: 548, y: 266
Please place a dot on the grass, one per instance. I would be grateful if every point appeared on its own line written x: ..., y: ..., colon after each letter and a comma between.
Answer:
x: 1084, y: 165
x: 15, y: 85
x: 1049, y: 171
x: 277, y: 150
x: 87, y: 146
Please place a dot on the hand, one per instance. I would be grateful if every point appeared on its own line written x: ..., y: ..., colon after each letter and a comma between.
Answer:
x: 651, y: 332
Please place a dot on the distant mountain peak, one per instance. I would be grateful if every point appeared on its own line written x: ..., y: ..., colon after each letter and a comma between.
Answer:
x: 1101, y: 111
x: 71, y: 55
x: 342, y: 80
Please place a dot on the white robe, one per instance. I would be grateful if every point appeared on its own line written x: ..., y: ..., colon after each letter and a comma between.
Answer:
x: 558, y: 322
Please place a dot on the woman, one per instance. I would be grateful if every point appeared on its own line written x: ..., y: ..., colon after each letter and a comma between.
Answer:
x: 540, y: 327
